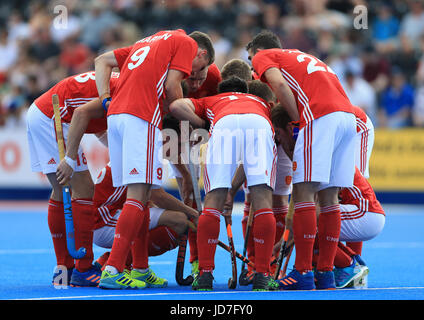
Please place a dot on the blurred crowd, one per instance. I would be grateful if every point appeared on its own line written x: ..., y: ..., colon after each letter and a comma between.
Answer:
x: 375, y: 47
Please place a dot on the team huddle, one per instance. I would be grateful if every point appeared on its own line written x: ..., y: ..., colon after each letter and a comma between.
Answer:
x: 282, y: 129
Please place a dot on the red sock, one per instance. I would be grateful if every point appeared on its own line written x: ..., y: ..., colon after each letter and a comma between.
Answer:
x: 263, y: 237
x: 342, y: 259
x: 140, y: 248
x: 103, y: 258
x: 192, y: 241
x: 161, y: 240
x: 83, y: 215
x: 56, y: 222
x: 328, y: 236
x: 304, y: 232
x: 127, y: 228
x: 280, y: 219
x: 355, y: 246
x: 207, y: 238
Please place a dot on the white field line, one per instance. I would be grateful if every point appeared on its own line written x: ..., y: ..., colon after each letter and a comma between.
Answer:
x: 141, y: 295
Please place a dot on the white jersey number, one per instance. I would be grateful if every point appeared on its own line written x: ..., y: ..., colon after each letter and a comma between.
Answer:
x: 138, y: 57
x: 312, y: 65
x: 84, y: 77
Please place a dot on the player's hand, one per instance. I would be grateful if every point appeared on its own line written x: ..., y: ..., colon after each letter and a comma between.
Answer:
x: 64, y: 172
x: 192, y: 214
x: 228, y: 205
x: 187, y: 190
x: 228, y: 215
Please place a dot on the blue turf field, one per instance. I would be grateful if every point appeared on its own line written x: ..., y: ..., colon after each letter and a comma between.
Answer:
x: 395, y: 259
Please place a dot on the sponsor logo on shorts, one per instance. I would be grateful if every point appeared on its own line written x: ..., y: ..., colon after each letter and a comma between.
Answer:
x: 134, y: 171
x: 294, y: 165
x: 51, y: 161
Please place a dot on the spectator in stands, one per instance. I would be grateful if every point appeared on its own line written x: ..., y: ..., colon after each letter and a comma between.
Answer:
x: 412, y: 23
x: 385, y: 30
x: 397, y: 102
x: 361, y: 94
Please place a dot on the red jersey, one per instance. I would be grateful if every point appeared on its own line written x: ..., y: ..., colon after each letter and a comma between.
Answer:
x: 215, y: 107
x: 361, y: 194
x: 144, y: 66
x: 210, y: 86
x: 107, y: 199
x: 73, y: 92
x: 314, y: 85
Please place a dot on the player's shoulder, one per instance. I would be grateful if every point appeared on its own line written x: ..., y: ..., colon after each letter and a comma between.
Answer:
x: 214, y: 70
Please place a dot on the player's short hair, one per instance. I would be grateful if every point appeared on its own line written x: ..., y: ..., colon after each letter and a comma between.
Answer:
x: 170, y: 122
x: 264, y: 40
x: 233, y: 84
x: 261, y: 90
x: 280, y: 117
x: 204, y: 41
x: 237, y: 67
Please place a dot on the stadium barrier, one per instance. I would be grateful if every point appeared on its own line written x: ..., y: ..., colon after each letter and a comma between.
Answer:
x: 396, y: 167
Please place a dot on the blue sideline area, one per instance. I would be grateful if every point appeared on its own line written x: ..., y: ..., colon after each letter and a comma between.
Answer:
x: 395, y: 258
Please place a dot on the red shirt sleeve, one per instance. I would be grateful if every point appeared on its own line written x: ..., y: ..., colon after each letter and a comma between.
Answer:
x: 121, y: 54
x: 185, y: 51
x: 199, y: 107
x: 263, y: 61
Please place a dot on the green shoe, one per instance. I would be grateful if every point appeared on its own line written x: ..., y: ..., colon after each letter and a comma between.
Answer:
x: 121, y: 280
x: 262, y: 282
x: 149, y: 278
x: 203, y: 282
x: 195, y: 269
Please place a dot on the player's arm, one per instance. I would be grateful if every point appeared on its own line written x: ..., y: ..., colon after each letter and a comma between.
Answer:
x: 80, y: 119
x: 282, y: 91
x: 103, y: 66
x: 238, y: 179
x: 167, y: 201
x: 183, y: 109
x: 172, y: 87
x: 185, y: 185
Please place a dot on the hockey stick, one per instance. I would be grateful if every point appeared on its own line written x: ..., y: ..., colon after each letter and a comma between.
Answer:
x: 182, y: 249
x: 287, y: 262
x: 238, y: 255
x: 179, y: 269
x: 66, y: 190
x: 232, y: 282
x: 284, y: 243
x: 244, y: 271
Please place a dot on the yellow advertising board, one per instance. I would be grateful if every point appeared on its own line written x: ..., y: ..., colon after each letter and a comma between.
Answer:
x: 397, y: 160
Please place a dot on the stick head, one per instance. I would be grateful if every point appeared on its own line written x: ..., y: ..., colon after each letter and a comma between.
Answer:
x: 232, y: 283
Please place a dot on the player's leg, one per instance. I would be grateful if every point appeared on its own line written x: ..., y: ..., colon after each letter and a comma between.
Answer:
x: 342, y: 173
x: 259, y: 163
x: 219, y: 169
x: 133, y: 163
x: 208, y: 229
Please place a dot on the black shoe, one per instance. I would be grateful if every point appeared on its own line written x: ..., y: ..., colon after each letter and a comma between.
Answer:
x: 203, y: 282
x: 262, y: 282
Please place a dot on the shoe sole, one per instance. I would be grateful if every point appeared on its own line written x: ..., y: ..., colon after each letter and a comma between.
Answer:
x: 364, y: 272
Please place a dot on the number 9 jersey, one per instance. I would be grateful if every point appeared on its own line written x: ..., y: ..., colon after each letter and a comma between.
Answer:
x: 143, y: 70
x: 315, y: 86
